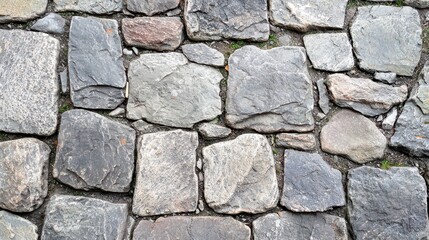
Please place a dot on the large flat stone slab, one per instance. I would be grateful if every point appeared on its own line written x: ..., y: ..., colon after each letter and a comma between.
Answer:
x: 21, y: 10
x: 28, y: 82
x: 97, y: 74
x: 167, y: 89
x: 16, y: 228
x: 89, y: 6
x: 94, y: 152
x: 387, y: 39
x: 217, y: 19
x: 151, y: 7
x: 269, y: 90
x: 240, y: 176
x: 387, y: 204
x: 166, y: 181
x: 82, y: 218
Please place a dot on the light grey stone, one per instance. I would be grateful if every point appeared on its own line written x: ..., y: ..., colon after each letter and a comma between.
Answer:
x: 217, y: 19
x: 387, y: 204
x: 192, y: 228
x: 287, y: 225
x: 210, y: 130
x: 300, y: 141
x: 323, y: 96
x: 302, y: 16
x: 143, y: 127
x: 420, y: 93
x: 285, y: 40
x: 83, y: 218
x: 390, y: 119
x: 127, y: 52
x: 166, y: 89
x: 97, y: 74
x: 94, y: 152
x: 240, y: 175
x: 130, y: 227
x: 352, y: 135
x: 310, y: 184
x: 151, y: 7
x: 203, y: 54
x: 119, y: 112
x: 417, y: 3
x: 28, y: 82
x: 166, y: 181
x: 23, y: 174
x: 330, y: 51
x: 387, y: 39
x: 64, y: 81
x: 135, y: 50
x: 16, y: 228
x: 174, y: 12
x: 52, y: 23
x: 364, y: 95
x: 89, y: 6
x: 387, y: 77
x: 269, y: 90
x: 201, y: 205
x: 21, y: 10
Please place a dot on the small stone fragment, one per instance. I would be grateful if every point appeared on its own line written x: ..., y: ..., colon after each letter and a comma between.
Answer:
x: 390, y: 119
x: 23, y: 174
x: 21, y: 10
x: 174, y: 12
x: 119, y: 112
x: 304, y: 141
x: 64, y: 80
x: 354, y: 136
x: 82, y: 218
x: 387, y: 77
x: 135, y: 50
x: 151, y: 7
x: 240, y: 175
x: 143, y: 127
x: 387, y: 204
x: 203, y: 54
x: 89, y: 6
x: 16, y: 228
x: 201, y: 205
x: 52, y: 23
x: 127, y: 52
x: 156, y: 33
x: 323, y: 96
x: 130, y: 227
x: 166, y: 181
x: 211, y: 131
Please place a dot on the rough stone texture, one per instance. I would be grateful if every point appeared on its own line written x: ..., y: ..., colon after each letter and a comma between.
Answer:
x: 52, y: 23
x: 151, y: 7
x: 166, y: 181
x: 387, y: 77
x: 387, y: 39
x: 270, y: 90
x: 364, y: 95
x: 211, y: 131
x: 64, y: 81
x: 388, y: 204
x: 156, y: 33
x: 420, y: 94
x: 323, y: 96
x: 96, y: 70
x: 82, y: 218
x: 390, y: 119
x: 417, y: 3
x: 310, y: 184
x: 352, y: 135
x: 16, y: 228
x: 144, y: 127
x: 94, y: 152
x: 89, y: 6
x: 23, y: 174
x: 287, y: 225
x: 21, y: 10
x: 203, y: 54
x: 166, y: 89
x: 305, y: 141
x: 178, y: 227
x: 302, y: 16
x: 330, y: 51
x: 216, y: 19
x: 240, y: 175
x: 28, y: 82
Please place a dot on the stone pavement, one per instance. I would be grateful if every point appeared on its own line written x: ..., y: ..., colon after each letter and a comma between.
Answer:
x: 214, y: 119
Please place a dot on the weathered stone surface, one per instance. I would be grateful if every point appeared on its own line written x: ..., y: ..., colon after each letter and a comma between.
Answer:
x: 310, y: 184
x: 52, y: 23
x: 216, y: 19
x: 203, y: 54
x: 387, y: 38
x: 387, y: 77
x: 21, y: 10
x: 187, y: 228
x: 64, y: 81
x: 144, y: 127
x: 287, y: 225
x: 82, y: 218
x: 97, y: 74
x: 364, y: 95
x: 94, y: 152
x: 89, y: 6
x: 388, y: 204
x: 28, y: 82
x: 166, y: 89
x: 151, y: 7
x: 16, y: 228
x: 354, y: 136
x: 240, y: 175
x: 323, y: 96
x: 210, y: 130
x: 417, y: 3
x: 390, y: 119
x: 304, y: 141
x: 330, y: 51
x: 302, y: 16
x: 119, y: 112
x: 166, y: 181
x: 23, y: 174
x: 157, y: 33
x: 270, y: 90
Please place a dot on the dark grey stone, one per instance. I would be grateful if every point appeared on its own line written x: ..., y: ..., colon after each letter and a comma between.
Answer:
x: 151, y: 7
x: 21, y: 10
x: 16, y: 228
x: 323, y: 96
x: 89, y: 6
x: 97, y: 74
x: 203, y: 54
x: 94, y: 152
x: 52, y: 23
